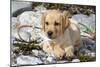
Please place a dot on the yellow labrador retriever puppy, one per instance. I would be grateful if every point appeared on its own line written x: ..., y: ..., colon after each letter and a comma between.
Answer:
x: 64, y: 34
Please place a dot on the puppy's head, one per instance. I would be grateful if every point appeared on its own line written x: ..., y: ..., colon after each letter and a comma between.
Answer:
x: 54, y: 23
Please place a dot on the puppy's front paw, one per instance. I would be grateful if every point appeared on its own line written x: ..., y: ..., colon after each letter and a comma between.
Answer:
x: 69, y: 52
x: 58, y: 52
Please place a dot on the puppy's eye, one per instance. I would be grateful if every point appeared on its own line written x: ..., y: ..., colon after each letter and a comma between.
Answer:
x: 46, y: 23
x: 56, y: 24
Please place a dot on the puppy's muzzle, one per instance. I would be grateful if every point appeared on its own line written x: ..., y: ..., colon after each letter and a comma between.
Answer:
x: 50, y: 33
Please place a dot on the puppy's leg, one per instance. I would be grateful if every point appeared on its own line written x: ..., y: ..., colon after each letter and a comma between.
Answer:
x: 69, y: 51
x: 77, y: 47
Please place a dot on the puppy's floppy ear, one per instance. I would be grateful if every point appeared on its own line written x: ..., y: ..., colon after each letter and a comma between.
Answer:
x: 65, y: 20
x: 43, y: 19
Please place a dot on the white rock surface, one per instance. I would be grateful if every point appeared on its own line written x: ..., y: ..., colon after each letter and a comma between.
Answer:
x: 93, y: 54
x: 50, y: 59
x: 28, y: 60
x: 75, y: 60
x: 87, y: 20
x: 35, y: 52
x: 26, y: 18
x: 31, y: 17
x: 62, y: 61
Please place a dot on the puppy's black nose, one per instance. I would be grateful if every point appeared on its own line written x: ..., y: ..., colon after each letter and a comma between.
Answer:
x: 50, y: 33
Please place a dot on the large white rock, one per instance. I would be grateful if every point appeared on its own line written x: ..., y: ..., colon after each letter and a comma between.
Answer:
x: 87, y: 20
x: 29, y: 18
x: 28, y: 60
x: 25, y: 32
